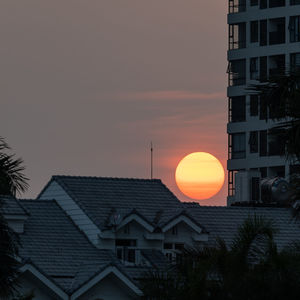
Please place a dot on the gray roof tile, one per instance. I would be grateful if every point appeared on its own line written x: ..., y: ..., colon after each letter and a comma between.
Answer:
x: 11, y: 206
x: 98, y: 196
x: 224, y: 221
x: 55, y: 245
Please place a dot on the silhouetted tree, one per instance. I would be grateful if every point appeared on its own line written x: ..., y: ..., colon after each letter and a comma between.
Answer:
x: 12, y: 180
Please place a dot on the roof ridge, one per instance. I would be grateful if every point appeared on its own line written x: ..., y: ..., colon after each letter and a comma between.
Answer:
x: 107, y: 178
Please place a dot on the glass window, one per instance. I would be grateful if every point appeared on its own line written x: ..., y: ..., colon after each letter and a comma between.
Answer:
x: 263, y: 68
x: 263, y: 149
x: 253, y: 105
x: 253, y: 141
x: 237, y: 72
x: 263, y: 32
x: 294, y: 2
x: 294, y: 28
x: 254, y: 31
x: 263, y: 108
x: 238, y: 145
x: 276, y: 3
x: 237, y: 36
x: 263, y: 4
x: 254, y: 68
x: 237, y: 109
x: 277, y: 31
x: 236, y: 6
x: 253, y: 2
x: 295, y: 61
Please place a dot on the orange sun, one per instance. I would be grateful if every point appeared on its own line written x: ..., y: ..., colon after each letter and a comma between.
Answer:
x: 199, y: 175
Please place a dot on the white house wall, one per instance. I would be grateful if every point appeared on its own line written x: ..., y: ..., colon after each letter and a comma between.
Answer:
x: 137, y: 232
x: 55, y: 191
x: 183, y: 236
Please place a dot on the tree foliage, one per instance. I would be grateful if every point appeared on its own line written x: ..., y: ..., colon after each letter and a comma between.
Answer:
x: 280, y: 94
x: 251, y: 268
x: 12, y: 178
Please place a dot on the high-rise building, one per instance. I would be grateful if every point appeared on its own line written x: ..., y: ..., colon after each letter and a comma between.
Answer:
x: 263, y: 40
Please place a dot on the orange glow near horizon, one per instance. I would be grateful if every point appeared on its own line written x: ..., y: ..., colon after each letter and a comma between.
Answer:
x: 199, y: 175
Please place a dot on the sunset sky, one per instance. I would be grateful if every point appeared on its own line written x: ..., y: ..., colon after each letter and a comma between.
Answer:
x: 86, y: 85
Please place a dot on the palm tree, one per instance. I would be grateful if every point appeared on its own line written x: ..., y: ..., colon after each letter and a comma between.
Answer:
x: 280, y: 94
x: 12, y: 180
x: 251, y: 268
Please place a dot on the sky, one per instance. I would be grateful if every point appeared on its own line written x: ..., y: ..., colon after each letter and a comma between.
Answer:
x: 85, y: 86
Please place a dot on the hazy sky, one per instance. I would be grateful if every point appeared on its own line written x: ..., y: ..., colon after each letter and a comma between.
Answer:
x: 86, y: 85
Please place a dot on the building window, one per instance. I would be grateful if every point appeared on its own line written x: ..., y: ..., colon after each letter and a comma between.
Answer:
x: 294, y: 2
x: 263, y: 68
x: 253, y: 2
x: 263, y: 148
x: 276, y: 3
x: 253, y: 141
x: 236, y: 6
x: 254, y: 31
x: 126, y: 250
x: 237, y: 72
x: 253, y: 105
x: 276, y: 65
x: 263, y: 30
x: 263, y: 4
x: 276, y: 147
x: 294, y: 28
x: 254, y: 68
x: 237, y: 109
x: 295, y: 61
x: 277, y: 31
x: 263, y: 108
x: 238, y: 145
x: 237, y: 36
x: 173, y: 251
x: 231, y: 182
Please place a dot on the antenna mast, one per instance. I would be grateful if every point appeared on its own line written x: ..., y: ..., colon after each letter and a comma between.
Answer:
x: 151, y: 149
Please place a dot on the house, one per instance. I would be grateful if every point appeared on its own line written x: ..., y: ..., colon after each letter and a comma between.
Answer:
x: 94, y: 238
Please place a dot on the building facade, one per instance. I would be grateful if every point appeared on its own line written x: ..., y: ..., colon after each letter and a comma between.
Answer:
x: 263, y: 40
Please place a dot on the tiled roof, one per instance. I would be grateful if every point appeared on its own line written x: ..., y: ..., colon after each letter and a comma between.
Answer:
x: 224, y: 221
x: 11, y: 206
x: 99, y: 196
x: 56, y: 246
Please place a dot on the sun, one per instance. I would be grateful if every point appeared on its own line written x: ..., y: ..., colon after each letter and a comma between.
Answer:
x: 199, y: 175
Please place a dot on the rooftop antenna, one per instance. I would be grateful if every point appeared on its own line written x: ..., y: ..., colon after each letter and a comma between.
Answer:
x: 151, y: 149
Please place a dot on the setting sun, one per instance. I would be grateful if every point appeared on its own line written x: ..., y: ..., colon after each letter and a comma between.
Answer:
x: 199, y: 175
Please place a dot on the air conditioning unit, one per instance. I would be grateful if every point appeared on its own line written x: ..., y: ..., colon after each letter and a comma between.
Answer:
x: 247, y: 187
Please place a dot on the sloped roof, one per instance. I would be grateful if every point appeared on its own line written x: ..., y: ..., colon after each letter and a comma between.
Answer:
x: 224, y: 221
x: 99, y: 196
x: 9, y: 205
x: 53, y: 243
